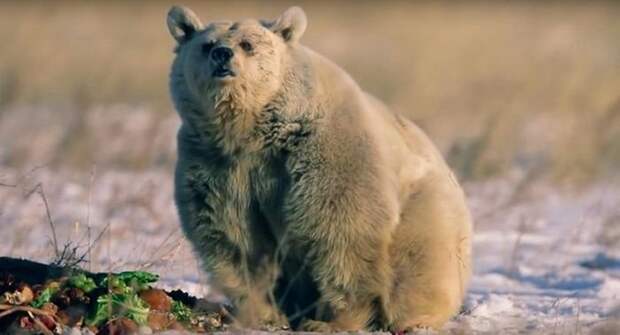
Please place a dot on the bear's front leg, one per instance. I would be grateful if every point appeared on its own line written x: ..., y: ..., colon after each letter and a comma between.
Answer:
x: 214, y: 219
x: 247, y: 288
x: 256, y: 307
x: 339, y: 214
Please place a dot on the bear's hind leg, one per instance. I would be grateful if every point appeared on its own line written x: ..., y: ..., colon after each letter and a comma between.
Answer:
x: 430, y: 255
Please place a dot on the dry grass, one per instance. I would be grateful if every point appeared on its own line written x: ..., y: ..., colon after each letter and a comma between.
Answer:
x: 526, y: 85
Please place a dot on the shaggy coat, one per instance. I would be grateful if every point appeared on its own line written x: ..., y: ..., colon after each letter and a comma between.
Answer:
x: 306, y: 199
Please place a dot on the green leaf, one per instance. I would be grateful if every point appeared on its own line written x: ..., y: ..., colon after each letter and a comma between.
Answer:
x: 83, y: 282
x: 103, y: 310
x: 114, y: 284
x: 130, y: 280
x: 115, y: 305
x: 46, y: 295
x: 140, y: 280
x: 181, y: 311
x: 122, y: 299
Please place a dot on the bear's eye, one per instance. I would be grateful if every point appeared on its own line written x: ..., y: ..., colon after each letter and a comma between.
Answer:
x: 246, y: 46
x: 206, y: 48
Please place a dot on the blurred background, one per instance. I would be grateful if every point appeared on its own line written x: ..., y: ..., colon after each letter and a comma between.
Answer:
x: 498, y: 86
x: 523, y: 99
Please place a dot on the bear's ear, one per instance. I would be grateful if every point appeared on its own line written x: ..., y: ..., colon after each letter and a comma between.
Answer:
x: 182, y: 23
x: 290, y: 25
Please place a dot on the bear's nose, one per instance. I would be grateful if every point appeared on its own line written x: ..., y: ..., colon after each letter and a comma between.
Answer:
x: 222, y: 54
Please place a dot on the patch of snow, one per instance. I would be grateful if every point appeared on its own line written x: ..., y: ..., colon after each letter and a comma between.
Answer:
x: 538, y: 264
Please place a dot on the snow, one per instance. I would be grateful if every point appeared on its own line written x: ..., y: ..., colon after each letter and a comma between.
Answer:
x: 546, y: 260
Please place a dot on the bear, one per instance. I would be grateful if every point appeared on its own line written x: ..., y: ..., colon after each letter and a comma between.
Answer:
x: 308, y: 201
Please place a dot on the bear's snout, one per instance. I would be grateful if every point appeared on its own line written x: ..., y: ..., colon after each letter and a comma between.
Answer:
x: 222, y: 55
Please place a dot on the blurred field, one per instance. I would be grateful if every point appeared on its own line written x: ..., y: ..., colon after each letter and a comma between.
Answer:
x: 498, y: 86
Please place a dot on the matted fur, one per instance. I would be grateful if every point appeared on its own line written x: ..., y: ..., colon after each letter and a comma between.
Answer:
x: 307, y: 200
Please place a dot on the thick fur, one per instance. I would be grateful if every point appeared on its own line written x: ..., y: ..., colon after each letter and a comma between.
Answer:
x: 306, y: 199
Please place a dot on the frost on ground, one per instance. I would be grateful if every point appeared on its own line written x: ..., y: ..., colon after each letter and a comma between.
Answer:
x: 546, y: 260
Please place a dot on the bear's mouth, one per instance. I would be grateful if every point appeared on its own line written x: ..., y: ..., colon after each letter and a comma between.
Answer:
x: 223, y: 72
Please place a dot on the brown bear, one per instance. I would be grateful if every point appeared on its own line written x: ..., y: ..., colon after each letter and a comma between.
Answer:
x: 307, y: 200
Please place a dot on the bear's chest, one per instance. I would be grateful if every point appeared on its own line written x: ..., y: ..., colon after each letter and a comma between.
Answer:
x: 249, y: 193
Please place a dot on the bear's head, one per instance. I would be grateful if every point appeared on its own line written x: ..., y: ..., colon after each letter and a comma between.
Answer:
x: 235, y: 66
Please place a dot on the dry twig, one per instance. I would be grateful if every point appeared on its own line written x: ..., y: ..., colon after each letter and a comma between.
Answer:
x: 38, y: 188
x: 10, y: 309
x: 42, y: 327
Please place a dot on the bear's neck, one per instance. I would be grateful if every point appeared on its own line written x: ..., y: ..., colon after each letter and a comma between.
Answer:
x: 230, y: 125
x: 238, y: 121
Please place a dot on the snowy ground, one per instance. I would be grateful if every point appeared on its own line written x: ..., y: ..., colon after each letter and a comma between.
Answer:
x: 546, y: 261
